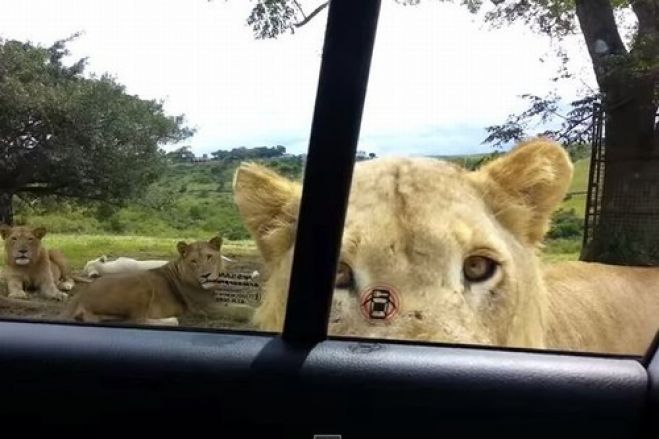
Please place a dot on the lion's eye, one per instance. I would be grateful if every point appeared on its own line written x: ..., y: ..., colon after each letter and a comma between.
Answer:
x: 13, y: 238
x: 193, y: 262
x: 209, y: 257
x: 479, y: 268
x: 344, y: 277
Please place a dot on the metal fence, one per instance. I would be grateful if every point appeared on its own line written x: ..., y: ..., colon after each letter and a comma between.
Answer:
x: 626, y: 223
x: 595, y: 178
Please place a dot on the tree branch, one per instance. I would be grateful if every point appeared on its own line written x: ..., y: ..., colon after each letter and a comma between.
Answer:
x: 600, y: 31
x: 299, y: 8
x: 310, y: 17
x: 647, y: 12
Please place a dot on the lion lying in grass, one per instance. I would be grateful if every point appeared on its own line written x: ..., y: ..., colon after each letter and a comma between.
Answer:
x: 159, y: 295
x: 461, y: 250
x: 103, y: 265
x: 31, y: 265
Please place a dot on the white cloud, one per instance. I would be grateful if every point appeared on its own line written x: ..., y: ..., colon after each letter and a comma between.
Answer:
x: 438, y: 75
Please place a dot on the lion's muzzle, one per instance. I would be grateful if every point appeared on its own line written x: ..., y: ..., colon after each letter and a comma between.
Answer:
x: 209, y: 281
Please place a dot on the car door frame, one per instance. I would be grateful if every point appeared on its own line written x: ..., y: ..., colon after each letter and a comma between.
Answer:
x: 65, y: 377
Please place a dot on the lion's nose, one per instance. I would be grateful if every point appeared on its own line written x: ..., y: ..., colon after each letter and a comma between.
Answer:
x: 22, y: 251
x: 206, y: 275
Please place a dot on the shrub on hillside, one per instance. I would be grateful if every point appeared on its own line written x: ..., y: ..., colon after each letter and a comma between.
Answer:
x: 566, y: 224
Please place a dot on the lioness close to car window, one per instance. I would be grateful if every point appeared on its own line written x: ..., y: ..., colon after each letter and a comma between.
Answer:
x: 461, y: 248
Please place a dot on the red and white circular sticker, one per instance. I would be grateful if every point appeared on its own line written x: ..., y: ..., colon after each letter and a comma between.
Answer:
x: 379, y: 303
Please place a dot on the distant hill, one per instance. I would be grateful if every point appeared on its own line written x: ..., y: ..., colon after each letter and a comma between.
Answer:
x: 190, y: 199
x: 195, y: 199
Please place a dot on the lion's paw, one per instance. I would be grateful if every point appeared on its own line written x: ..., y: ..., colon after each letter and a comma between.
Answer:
x: 66, y: 285
x: 58, y: 295
x: 18, y: 295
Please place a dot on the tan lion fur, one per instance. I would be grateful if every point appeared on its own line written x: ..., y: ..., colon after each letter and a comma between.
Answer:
x: 30, y: 265
x: 411, y: 222
x: 158, y: 295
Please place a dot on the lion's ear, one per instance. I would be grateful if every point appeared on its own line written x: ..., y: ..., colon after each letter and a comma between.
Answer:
x: 216, y: 242
x: 5, y: 231
x: 526, y: 185
x: 39, y: 232
x: 268, y: 204
x: 182, y: 248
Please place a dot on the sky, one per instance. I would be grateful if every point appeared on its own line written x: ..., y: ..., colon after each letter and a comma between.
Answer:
x: 439, y: 75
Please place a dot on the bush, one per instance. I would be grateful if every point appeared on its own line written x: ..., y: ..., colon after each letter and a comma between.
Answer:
x: 114, y: 224
x: 196, y: 212
x: 566, y: 224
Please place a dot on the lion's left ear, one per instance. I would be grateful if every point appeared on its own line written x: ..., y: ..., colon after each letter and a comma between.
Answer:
x: 182, y: 247
x: 5, y: 230
x: 216, y: 242
x: 526, y: 185
x: 268, y: 204
x: 39, y: 232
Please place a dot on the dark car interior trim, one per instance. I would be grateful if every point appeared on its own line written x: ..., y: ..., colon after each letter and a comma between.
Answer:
x: 61, y: 377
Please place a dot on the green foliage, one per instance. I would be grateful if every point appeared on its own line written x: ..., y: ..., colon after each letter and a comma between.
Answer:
x: 161, y: 210
x: 579, y: 151
x: 187, y: 199
x: 243, y: 153
x: 182, y: 154
x: 566, y: 224
x: 472, y: 161
x: 195, y: 212
x: 291, y: 167
x: 270, y: 18
x: 562, y: 249
x: 62, y: 133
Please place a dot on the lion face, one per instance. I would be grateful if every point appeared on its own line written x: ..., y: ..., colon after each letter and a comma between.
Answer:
x: 91, y: 267
x: 22, y: 244
x: 455, y: 249
x: 202, y: 261
x: 419, y: 230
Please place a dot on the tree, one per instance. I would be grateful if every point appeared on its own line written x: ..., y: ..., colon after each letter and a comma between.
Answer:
x: 244, y: 153
x: 65, y: 134
x: 182, y: 154
x: 627, y: 75
x: 363, y: 155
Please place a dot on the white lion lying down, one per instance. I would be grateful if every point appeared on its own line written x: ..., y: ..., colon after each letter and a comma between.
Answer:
x: 103, y: 265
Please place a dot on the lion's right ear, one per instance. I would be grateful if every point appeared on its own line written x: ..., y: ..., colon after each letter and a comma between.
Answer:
x: 526, y: 185
x: 5, y: 230
x: 216, y: 242
x: 39, y: 232
x: 182, y: 248
x: 268, y: 204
